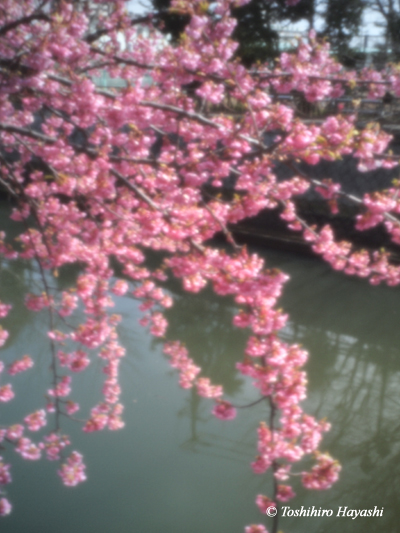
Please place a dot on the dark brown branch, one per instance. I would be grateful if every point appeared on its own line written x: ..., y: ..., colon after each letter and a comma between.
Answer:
x: 181, y: 112
x: 27, y: 133
x: 263, y: 398
x: 143, y: 196
x: 104, y: 31
x: 348, y: 196
x: 117, y: 158
x: 23, y: 20
x: 271, y: 75
x: 119, y: 59
x: 224, y: 229
x: 4, y: 183
x: 96, y: 66
x: 69, y: 83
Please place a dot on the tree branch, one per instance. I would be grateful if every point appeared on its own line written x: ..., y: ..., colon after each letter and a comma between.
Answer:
x: 143, y: 196
x: 92, y: 37
x: 27, y: 133
x: 69, y: 83
x: 23, y: 20
x: 119, y: 59
x: 181, y: 112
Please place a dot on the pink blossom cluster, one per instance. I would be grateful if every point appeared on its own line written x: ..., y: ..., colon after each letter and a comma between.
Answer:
x: 323, y: 474
x: 5, y: 507
x: 307, y: 71
x: 27, y: 449
x: 75, y: 361
x: 179, y: 359
x: 5, y: 476
x: 3, y: 336
x: 53, y: 444
x: 105, y: 416
x: 72, y: 472
x: 263, y: 502
x: 37, y: 302
x: 62, y: 389
x: 36, y: 420
x: 224, y: 410
x: 20, y: 365
x: 14, y: 432
x: 255, y: 528
x: 4, y: 309
x: 6, y: 393
x: 207, y: 390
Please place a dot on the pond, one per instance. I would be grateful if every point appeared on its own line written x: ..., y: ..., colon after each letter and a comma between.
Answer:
x: 174, y: 468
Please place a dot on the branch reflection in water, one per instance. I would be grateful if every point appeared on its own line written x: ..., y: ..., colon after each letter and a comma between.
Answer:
x: 197, y: 468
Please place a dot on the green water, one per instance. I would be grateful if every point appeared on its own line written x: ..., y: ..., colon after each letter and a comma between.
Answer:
x: 174, y: 468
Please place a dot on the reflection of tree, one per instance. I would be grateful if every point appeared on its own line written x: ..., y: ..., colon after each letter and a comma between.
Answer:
x: 204, y: 323
x: 354, y: 377
x: 359, y: 393
x: 20, y: 277
x: 16, y: 281
x: 351, y: 331
x: 316, y: 296
x: 214, y: 443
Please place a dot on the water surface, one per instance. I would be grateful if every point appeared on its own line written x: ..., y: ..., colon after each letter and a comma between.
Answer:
x: 174, y: 468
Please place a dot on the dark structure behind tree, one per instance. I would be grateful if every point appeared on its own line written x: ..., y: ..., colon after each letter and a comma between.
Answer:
x: 389, y: 10
x: 258, y: 40
x: 343, y: 19
x: 169, y: 23
x: 257, y: 21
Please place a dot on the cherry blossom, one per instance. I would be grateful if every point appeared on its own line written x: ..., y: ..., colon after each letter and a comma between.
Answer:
x: 5, y: 507
x: 285, y: 493
x: 4, y: 309
x: 144, y: 168
x: 323, y: 474
x: 255, y: 528
x: 263, y: 503
x: 15, y: 431
x: 6, y: 393
x: 36, y: 420
x: 27, y: 449
x: 53, y: 444
x: 21, y: 365
x: 5, y: 476
x: 224, y: 410
x: 72, y: 472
